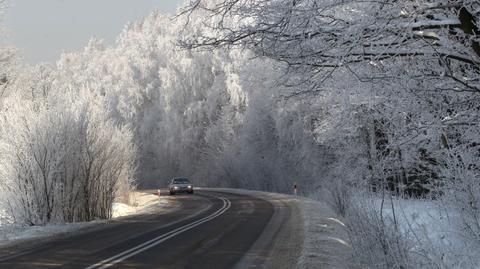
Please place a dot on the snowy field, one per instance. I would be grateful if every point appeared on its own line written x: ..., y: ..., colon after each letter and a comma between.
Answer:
x: 432, y: 229
x: 143, y: 203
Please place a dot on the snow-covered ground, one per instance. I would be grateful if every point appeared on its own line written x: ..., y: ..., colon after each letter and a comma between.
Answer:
x: 433, y: 230
x: 142, y: 203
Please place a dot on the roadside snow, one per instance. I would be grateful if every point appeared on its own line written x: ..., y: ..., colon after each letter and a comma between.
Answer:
x: 10, y: 234
x: 325, y: 242
x: 433, y: 229
x: 143, y: 203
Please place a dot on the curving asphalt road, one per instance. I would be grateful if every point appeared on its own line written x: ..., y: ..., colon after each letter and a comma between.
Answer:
x: 210, y: 229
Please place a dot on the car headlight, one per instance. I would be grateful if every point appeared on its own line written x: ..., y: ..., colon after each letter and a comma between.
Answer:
x: 189, y: 187
x: 175, y: 187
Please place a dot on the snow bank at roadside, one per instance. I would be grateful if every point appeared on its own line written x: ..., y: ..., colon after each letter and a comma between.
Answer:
x: 326, y: 243
x: 143, y: 203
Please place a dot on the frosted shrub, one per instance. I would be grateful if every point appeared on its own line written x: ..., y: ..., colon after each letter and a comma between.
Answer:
x: 461, y: 191
x: 62, y: 163
x: 337, y: 195
x: 377, y: 240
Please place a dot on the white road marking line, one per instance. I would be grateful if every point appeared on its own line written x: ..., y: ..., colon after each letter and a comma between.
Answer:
x: 159, y: 239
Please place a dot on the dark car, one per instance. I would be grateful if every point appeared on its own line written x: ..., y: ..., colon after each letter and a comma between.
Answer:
x: 178, y: 185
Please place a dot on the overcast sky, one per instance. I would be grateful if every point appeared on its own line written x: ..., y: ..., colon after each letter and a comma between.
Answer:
x: 42, y: 29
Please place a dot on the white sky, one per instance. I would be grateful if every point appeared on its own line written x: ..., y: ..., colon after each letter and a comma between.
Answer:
x: 42, y: 29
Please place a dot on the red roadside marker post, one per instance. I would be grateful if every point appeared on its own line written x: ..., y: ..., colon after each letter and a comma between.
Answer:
x: 295, y: 189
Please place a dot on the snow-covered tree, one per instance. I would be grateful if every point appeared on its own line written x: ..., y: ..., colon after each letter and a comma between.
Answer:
x: 62, y: 160
x: 7, y: 58
x: 439, y: 38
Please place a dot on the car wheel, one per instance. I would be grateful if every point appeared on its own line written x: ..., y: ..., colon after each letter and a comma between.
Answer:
x: 172, y: 193
x: 190, y: 192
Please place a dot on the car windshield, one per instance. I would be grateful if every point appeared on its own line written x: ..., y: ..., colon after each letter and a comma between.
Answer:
x: 181, y: 181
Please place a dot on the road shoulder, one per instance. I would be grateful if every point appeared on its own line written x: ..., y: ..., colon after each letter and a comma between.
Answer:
x: 326, y: 243
x: 302, y: 233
